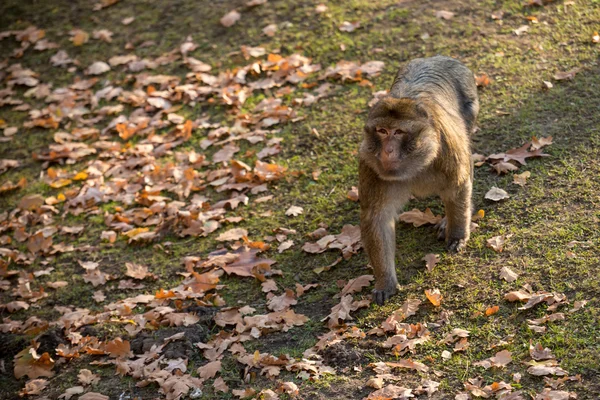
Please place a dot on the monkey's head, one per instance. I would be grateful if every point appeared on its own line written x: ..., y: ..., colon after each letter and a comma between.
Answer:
x: 399, y: 139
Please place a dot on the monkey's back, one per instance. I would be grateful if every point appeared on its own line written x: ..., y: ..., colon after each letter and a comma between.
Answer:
x: 444, y: 80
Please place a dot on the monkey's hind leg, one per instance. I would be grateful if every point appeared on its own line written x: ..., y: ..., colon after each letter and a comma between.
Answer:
x: 458, y: 218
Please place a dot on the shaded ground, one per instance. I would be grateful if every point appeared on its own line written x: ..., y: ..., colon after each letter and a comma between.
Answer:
x: 553, y: 219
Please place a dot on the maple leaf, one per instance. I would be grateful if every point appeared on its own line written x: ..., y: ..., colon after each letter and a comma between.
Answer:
x: 519, y: 154
x: 541, y: 142
x: 285, y: 245
x: 418, y: 218
x: 430, y: 261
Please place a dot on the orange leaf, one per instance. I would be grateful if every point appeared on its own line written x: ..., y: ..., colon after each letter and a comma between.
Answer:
x: 492, y: 310
x: 434, y: 296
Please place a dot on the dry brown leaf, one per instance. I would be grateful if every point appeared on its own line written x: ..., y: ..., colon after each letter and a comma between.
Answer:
x: 294, y: 211
x: 209, y: 370
x: 232, y: 234
x: 497, y: 242
x: 230, y: 18
x: 357, y: 284
x: 353, y: 194
x: 521, y: 179
x: 87, y: 377
x: 560, y: 76
x: 282, y: 302
x: 508, y: 275
x: 418, y: 218
x: 447, y: 15
x: 349, y: 26
x: 496, y: 194
x: 408, y: 364
x: 28, y: 363
x: 430, y: 261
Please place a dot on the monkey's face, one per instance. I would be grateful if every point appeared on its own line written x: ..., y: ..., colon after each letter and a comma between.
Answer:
x: 399, y: 140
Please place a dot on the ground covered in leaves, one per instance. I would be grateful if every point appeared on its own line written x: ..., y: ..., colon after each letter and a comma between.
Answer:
x: 179, y: 218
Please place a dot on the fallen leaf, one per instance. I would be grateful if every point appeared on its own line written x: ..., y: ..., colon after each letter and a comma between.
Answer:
x: 232, y: 234
x: 521, y: 30
x: 418, y: 218
x: 294, y: 211
x: 491, y: 310
x: 560, y: 76
x: 230, y: 18
x: 349, y: 26
x: 353, y: 194
x: 97, y: 68
x: 430, y: 261
x: 434, y: 296
x: 521, y: 179
x: 357, y: 284
x: 508, y: 275
x: 209, y: 370
x: 496, y: 194
x: 447, y: 15
x: 497, y: 242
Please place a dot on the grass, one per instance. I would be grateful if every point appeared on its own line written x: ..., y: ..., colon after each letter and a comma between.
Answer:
x: 558, y: 205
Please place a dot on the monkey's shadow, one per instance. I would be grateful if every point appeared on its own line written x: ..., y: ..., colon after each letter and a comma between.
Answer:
x: 413, y: 243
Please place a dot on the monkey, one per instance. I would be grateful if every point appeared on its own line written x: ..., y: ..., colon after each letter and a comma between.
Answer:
x: 416, y: 142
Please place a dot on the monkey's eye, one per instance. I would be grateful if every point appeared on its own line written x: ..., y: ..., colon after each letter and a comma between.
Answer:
x: 382, y: 131
x: 398, y: 132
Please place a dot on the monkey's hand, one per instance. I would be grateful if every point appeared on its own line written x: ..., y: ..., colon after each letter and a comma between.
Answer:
x: 380, y: 296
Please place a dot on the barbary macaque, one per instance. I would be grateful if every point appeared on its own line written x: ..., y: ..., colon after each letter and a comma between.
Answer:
x: 416, y: 142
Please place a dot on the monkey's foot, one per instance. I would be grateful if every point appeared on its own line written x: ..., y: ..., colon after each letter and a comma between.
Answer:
x: 456, y: 245
x: 441, y: 229
x: 380, y: 296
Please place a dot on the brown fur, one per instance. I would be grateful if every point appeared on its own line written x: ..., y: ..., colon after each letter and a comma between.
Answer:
x: 417, y: 142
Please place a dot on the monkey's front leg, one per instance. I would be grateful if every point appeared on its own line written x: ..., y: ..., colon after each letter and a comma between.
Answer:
x: 378, y: 233
x: 458, y: 217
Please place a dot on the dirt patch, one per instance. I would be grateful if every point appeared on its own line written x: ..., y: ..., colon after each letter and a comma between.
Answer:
x: 342, y: 356
x: 182, y: 348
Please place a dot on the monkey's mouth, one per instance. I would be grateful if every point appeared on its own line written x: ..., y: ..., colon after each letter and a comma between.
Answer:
x: 391, y: 166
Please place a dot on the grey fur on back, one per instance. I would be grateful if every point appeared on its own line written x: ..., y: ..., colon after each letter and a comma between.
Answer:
x: 444, y: 80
